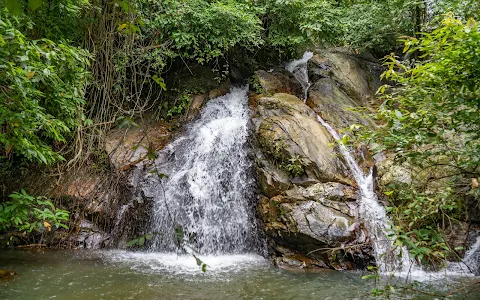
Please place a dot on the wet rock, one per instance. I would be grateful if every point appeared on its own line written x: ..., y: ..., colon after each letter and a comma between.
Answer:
x: 90, y: 236
x: 198, y: 100
x: 357, y: 75
x: 278, y: 81
x: 297, y: 262
x: 334, y: 105
x: 272, y: 180
x: 319, y: 222
x: 319, y: 192
x: 309, y: 200
x: 7, y: 274
x: 291, y: 137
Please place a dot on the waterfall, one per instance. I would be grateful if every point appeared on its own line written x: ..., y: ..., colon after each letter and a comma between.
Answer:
x: 378, y: 224
x: 300, y: 71
x: 206, y: 201
x: 390, y: 259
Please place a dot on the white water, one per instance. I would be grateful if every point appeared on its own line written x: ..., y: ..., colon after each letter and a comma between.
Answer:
x: 171, y: 263
x: 209, y: 189
x: 390, y: 260
x: 300, y: 71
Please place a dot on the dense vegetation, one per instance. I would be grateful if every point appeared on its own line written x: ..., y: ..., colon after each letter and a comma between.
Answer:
x: 70, y: 70
x: 130, y: 47
x: 431, y: 123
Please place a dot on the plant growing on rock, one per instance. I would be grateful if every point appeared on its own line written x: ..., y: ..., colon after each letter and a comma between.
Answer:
x: 295, y: 166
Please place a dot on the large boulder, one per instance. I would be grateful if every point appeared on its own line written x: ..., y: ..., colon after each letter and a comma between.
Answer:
x: 309, y: 197
x: 275, y: 81
x: 127, y: 147
x: 295, y: 142
x: 357, y: 75
x: 334, y: 105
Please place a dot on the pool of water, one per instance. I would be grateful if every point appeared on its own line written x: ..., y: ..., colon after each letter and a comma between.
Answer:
x: 46, y: 274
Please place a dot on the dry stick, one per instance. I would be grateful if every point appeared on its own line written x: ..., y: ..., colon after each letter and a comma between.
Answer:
x: 337, y: 248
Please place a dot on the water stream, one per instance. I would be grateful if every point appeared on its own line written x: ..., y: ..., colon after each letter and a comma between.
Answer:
x: 390, y: 259
x: 299, y: 69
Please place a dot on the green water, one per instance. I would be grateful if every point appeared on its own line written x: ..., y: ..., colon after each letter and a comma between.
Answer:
x: 127, y: 275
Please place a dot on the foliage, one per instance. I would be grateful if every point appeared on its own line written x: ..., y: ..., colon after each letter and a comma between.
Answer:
x: 417, y: 114
x: 418, y: 217
x: 199, y: 29
x: 56, y: 20
x: 41, y: 92
x: 430, y: 120
x: 25, y: 213
x: 140, y: 240
x: 376, y: 25
x: 290, y: 24
x: 180, y: 105
x: 295, y: 166
x: 462, y: 9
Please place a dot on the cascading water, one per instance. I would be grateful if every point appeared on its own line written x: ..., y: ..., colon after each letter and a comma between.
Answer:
x: 389, y: 258
x: 205, y: 200
x: 300, y: 71
x: 372, y: 212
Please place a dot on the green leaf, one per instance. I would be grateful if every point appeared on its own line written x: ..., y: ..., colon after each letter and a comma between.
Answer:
x: 132, y: 242
x: 141, y: 241
x: 162, y: 175
x: 13, y: 6
x: 199, y: 262
x: 34, y: 4
x: 159, y: 80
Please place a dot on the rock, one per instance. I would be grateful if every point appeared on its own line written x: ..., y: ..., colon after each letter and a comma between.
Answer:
x: 309, y: 200
x: 357, y: 76
x: 388, y: 172
x: 277, y: 81
x: 334, y: 105
x: 235, y: 75
x: 128, y: 147
x: 198, y: 100
x: 196, y: 103
x: 90, y: 236
x: 7, y: 274
x: 290, y: 135
x: 319, y: 222
x: 223, y: 89
x: 298, y: 262
x: 325, y: 191
x: 272, y: 181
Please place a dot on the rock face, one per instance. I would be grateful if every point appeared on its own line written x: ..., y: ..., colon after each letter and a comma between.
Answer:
x: 309, y: 198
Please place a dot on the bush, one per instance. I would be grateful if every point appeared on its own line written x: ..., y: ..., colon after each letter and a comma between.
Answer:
x: 42, y: 85
x: 430, y: 121
x: 27, y: 214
